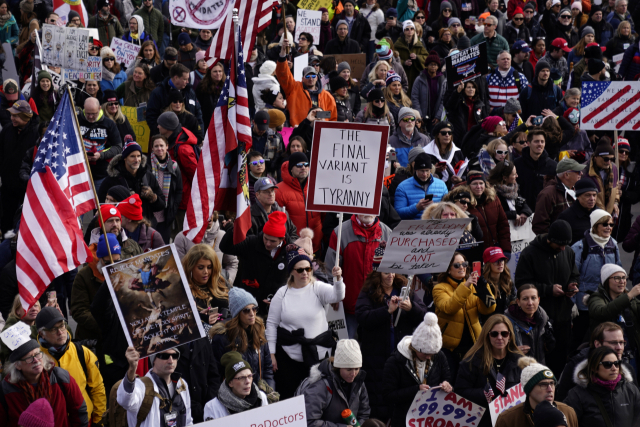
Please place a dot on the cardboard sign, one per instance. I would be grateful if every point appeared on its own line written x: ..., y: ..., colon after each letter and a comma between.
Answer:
x: 154, y: 302
x: 299, y: 63
x: 337, y: 320
x: 200, y: 14
x: 347, y: 167
x: 125, y: 52
x: 308, y: 21
x: 289, y: 413
x: 314, y: 4
x: 466, y: 65
x: 422, y: 246
x: 515, y: 396
x: 141, y: 129
x: 610, y: 105
x: 431, y: 408
x: 357, y: 62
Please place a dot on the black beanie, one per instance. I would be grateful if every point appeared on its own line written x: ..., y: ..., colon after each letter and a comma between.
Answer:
x: 338, y: 83
x: 541, y: 65
x: 118, y: 192
x: 560, y: 233
x: 423, y: 161
x: 547, y: 415
x: 175, y: 95
x: 593, y: 52
x: 268, y: 97
x: 595, y: 66
x: 374, y: 94
x: 296, y: 158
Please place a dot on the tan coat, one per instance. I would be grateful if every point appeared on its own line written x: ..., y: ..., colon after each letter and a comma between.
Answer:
x: 516, y: 416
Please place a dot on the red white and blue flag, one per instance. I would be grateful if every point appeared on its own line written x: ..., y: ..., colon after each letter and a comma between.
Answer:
x: 50, y: 241
x: 63, y: 7
x: 610, y: 106
x: 488, y: 392
x: 501, y: 383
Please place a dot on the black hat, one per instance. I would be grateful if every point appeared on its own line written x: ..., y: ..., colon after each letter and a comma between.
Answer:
x: 463, y: 43
x: 560, y: 233
x: 338, y: 83
x: 374, y: 95
x: 462, y: 195
x: 585, y: 185
x: 295, y: 158
x: 423, y: 161
x: 23, y: 350
x: 48, y: 317
x: 595, y: 66
x: 176, y: 95
x: 593, y: 52
x: 546, y: 414
x: 119, y: 192
x: 603, y: 149
x: 261, y: 119
x: 595, y: 8
x: 110, y: 96
x: 441, y: 125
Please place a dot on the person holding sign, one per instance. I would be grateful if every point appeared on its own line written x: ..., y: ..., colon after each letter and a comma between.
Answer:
x: 413, y: 195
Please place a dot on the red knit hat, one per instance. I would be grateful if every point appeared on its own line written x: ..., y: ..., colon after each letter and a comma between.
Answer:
x: 518, y: 10
x: 623, y: 144
x: 276, y: 225
x: 131, y: 208
x: 109, y: 211
x: 38, y: 414
x: 489, y: 124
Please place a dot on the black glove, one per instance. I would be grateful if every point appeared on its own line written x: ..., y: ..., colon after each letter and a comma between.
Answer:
x: 482, y: 292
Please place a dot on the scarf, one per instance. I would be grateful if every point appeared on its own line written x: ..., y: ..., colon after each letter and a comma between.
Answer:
x: 107, y: 75
x: 508, y: 191
x: 56, y: 352
x: 42, y: 389
x: 600, y: 241
x: 4, y: 19
x: 609, y: 385
x: 162, y: 174
x: 235, y: 404
x: 516, y: 312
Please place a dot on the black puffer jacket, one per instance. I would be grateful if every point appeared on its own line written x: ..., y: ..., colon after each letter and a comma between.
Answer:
x: 159, y: 100
x: 622, y: 404
x: 531, y: 174
x: 456, y: 105
x: 401, y: 382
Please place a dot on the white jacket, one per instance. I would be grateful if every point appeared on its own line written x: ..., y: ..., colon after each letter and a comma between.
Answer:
x: 214, y: 409
x: 259, y: 84
x: 131, y: 402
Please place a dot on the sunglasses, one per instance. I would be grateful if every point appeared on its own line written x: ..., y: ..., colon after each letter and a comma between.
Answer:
x: 608, y: 224
x: 93, y: 48
x: 494, y: 334
x: 518, y: 19
x: 501, y: 152
x: 522, y: 142
x: 109, y: 59
x: 310, y: 76
x: 446, y: 132
x: 112, y: 104
x: 625, y: 152
x: 302, y: 165
x: 248, y: 311
x: 463, y: 202
x: 409, y: 119
x: 608, y: 159
x: 609, y: 365
x: 301, y: 270
x: 446, y: 10
x: 257, y: 162
x: 302, y: 39
x: 502, y: 124
x: 166, y: 356
x: 419, y: 17
x: 460, y: 264
x: 565, y: 16
x: 455, y: 25
x: 381, y: 101
x: 488, y: 25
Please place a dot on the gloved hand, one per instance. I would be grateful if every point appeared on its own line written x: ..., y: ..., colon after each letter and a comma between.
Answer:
x: 482, y: 292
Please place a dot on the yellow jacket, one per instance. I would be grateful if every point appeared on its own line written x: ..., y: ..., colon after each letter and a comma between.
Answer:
x: 455, y: 306
x: 95, y: 397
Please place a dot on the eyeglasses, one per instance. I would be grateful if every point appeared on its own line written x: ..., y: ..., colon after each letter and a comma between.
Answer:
x: 61, y: 328
x: 502, y: 124
x: 113, y: 104
x: 607, y: 159
x: 419, y: 17
x: 302, y: 39
x: 522, y: 142
x: 502, y: 152
x: 310, y: 76
x: 454, y: 25
x: 37, y: 356
x: 248, y: 311
x: 446, y: 132
x: 381, y: 101
x: 166, y: 356
x: 177, y: 101
x: 93, y: 48
x: 463, y: 202
x: 460, y: 264
x: 257, y: 162
x: 109, y: 59
x: 545, y: 385
x: 243, y: 379
x: 302, y: 270
x: 619, y: 279
x: 488, y: 25
x: 617, y: 343
x: 494, y: 334
x: 446, y: 10
x: 302, y: 165
x: 609, y: 365
x: 409, y: 119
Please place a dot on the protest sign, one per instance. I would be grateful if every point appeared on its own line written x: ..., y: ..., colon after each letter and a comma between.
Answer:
x: 466, y: 65
x: 610, y: 105
x: 125, y: 52
x: 337, y: 320
x: 314, y: 4
x: 153, y: 300
x: 93, y: 70
x: 520, y: 239
x: 347, y: 167
x: 617, y: 60
x: 201, y: 14
x: 515, y: 396
x: 289, y: 413
x: 53, y: 39
x: 357, y: 62
x: 68, y: 48
x: 436, y: 408
x: 422, y: 246
x: 9, y: 70
x: 308, y: 22
x: 299, y: 62
x: 140, y: 128
x: 286, y: 134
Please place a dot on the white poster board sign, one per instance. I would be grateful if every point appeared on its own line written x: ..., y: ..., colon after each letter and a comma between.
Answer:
x: 610, y: 105
x: 337, y: 320
x: 347, y: 167
x: 289, y: 413
x: 515, y: 396
x: 125, y: 52
x: 299, y: 62
x: 520, y: 239
x: 437, y: 408
x: 617, y: 60
x: 422, y: 246
x: 308, y: 21
x: 68, y: 48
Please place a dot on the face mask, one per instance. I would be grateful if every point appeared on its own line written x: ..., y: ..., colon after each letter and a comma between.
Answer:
x: 378, y: 111
x: 574, y: 117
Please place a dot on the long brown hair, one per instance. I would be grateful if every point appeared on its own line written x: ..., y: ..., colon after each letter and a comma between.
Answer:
x: 444, y: 277
x: 505, y: 284
x: 237, y: 335
x: 207, y: 85
x: 148, y: 82
x: 156, y: 55
x: 373, y: 285
x: 216, y: 284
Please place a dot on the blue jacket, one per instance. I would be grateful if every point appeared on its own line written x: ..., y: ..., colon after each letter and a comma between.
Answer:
x: 402, y: 148
x: 590, y: 268
x: 409, y: 193
x: 628, y: 68
x: 614, y: 20
x: 9, y: 32
x: 119, y: 78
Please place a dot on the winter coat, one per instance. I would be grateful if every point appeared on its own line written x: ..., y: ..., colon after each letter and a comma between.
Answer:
x: 144, y: 37
x: 458, y: 307
x: 551, y: 202
x: 409, y: 193
x: 512, y: 34
x: 214, y: 409
x: 513, y: 210
x: 159, y: 100
x: 503, y: 88
x: 536, y: 98
x: 535, y: 335
x: 261, y: 83
x: 101, y: 136
x: 181, y: 149
x: 458, y: 113
x: 579, y: 219
x: 360, y: 29
x: 113, y: 84
x: 622, y: 404
x: 378, y: 339
x: 559, y: 64
x: 396, y: 66
x: 346, y: 46
x: 259, y: 218
x: 632, y: 244
x: 9, y: 32
x: 125, y: 128
x: 404, y: 50
x: 494, y: 46
x: 131, y: 95
x: 344, y: 108
x: 493, y: 221
x: 153, y: 22
x: 543, y: 267
x: 83, y: 293
x: 531, y: 174
x: 442, y: 48
x: 601, y: 202
x: 401, y: 384
x: 421, y: 96
x: 521, y: 415
x: 471, y: 380
x: 159, y: 72
x: 614, y: 18
x: 325, y: 35
x: 13, y: 144
x: 453, y: 160
x: 325, y: 398
x: 357, y: 248
x: 107, y: 28
x: 175, y: 191
x: 398, y: 143
x: 616, y: 46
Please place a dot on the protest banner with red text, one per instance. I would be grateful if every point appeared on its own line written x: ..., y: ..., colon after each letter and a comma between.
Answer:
x: 436, y: 408
x: 515, y: 396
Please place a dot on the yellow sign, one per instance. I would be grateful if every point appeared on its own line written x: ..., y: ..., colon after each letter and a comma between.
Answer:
x: 141, y: 129
x: 314, y: 4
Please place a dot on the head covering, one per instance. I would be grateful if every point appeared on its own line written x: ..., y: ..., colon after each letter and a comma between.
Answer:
x: 378, y: 254
x: 603, y: 149
x: 10, y: 87
x: 406, y: 112
x: 109, y: 211
x: 276, y: 118
x: 48, y: 317
x: 43, y: 74
x: 26, y: 6
x: 184, y: 39
x: 408, y: 23
x: 423, y: 161
x: 512, y: 106
x: 169, y: 120
x: 623, y: 144
x: 170, y: 54
x: 131, y: 208
x: 262, y: 120
x: 595, y: 66
x: 384, y: 52
x: 609, y: 270
x: 560, y: 233
x: 232, y: 363
x: 530, y: 5
x: 374, y: 95
x: 442, y: 124
x: 110, y: 95
x: 489, y: 124
x: 23, y: 350
x: 493, y: 254
x: 21, y: 107
x: 597, y: 215
x: 518, y: 11
x: 563, y: 10
x: 341, y: 22
x: 152, y: 358
x: 391, y: 13
x: 338, y: 83
x: 433, y: 57
x: 268, y: 68
x: 521, y: 46
x: 587, y: 30
x: 140, y: 21
x: 264, y: 183
x: 567, y: 164
x: 453, y: 20
x: 106, y: 52
x: 344, y: 65
x: 445, y: 5
x: 593, y: 51
x: 239, y: 299
x: 102, y: 250
x: 295, y: 158
x: 276, y: 225
x: 475, y: 176
x: 295, y: 254
x: 38, y: 414
x: 484, y: 15
x: 545, y: 414
x: 585, y: 185
x: 347, y: 355
x: 97, y: 43
x: 305, y: 241
x: 572, y: 115
x: 309, y: 69
x: 595, y: 8
x: 413, y: 153
x: 427, y: 337
x: 577, y: 5
x: 176, y: 96
x: 130, y: 147
x: 323, y: 10
x: 392, y: 76
x: 349, y: 1
x: 118, y: 192
x: 542, y: 65
x: 462, y: 195
x: 532, y: 373
x: 560, y: 43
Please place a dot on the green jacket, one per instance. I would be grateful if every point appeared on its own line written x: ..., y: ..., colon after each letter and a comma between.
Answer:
x: 495, y: 45
x: 107, y: 29
x: 153, y: 23
x: 417, y: 65
x: 603, y: 309
x: 4, y: 350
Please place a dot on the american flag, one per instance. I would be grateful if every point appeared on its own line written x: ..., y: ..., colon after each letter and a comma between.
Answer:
x: 501, y: 383
x: 63, y: 7
x: 610, y: 106
x: 503, y: 88
x: 50, y: 242
x: 488, y: 392
x: 253, y: 15
x: 219, y: 184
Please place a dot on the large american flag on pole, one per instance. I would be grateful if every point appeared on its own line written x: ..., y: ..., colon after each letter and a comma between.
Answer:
x: 610, y: 105
x: 50, y: 241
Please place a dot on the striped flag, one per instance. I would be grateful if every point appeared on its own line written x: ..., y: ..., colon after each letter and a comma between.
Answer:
x: 610, y: 106
x: 488, y: 392
x: 501, y: 383
x: 50, y: 242
x: 63, y: 7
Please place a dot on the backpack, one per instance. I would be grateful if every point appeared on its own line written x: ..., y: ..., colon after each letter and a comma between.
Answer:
x: 118, y: 415
x: 529, y: 90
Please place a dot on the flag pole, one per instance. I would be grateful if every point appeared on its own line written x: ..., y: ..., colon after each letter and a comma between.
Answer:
x: 86, y: 163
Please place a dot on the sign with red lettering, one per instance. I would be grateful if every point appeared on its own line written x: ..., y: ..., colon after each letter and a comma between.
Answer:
x: 422, y: 246
x: 436, y: 408
x: 287, y: 413
x: 515, y: 396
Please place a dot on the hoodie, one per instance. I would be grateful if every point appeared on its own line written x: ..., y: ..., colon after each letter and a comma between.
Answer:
x: 101, y: 136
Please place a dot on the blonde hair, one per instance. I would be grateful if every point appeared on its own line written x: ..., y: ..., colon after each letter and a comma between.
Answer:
x: 218, y: 288
x: 16, y: 307
x: 405, y: 101
x: 491, y: 147
x: 118, y: 117
x: 373, y: 73
x: 435, y: 211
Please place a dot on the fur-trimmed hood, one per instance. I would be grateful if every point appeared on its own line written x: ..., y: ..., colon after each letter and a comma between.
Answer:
x: 113, y: 170
x: 582, y: 382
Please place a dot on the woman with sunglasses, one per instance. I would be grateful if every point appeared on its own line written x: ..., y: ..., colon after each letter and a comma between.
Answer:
x: 492, y: 154
x: 494, y: 356
x: 462, y: 197
x: 420, y: 19
x: 516, y: 29
x: 376, y: 111
x: 186, y: 118
x: 111, y: 109
x: 297, y: 330
x: 503, y: 177
x: 138, y: 87
x: 563, y: 27
x: 630, y: 180
x: 605, y: 394
x: 112, y: 74
x: 466, y: 107
x: 411, y: 51
x: 444, y: 153
x: 458, y: 308
x: 447, y: 11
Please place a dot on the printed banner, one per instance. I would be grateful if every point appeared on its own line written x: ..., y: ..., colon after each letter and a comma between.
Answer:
x: 201, y: 14
x: 153, y: 301
x: 140, y: 128
x: 422, y: 246
x: 357, y: 61
x: 337, y: 320
x: 437, y: 408
x: 515, y: 396
x: 289, y: 413
x: 308, y: 21
x: 610, y: 106
x: 466, y: 65
x: 314, y: 4
x: 347, y: 167
x: 125, y: 52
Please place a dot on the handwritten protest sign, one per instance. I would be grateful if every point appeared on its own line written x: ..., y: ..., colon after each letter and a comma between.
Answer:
x: 347, y: 167
x: 466, y: 65
x: 16, y: 335
x: 515, y: 396
x: 314, y: 4
x: 68, y: 48
x: 141, y: 129
x: 153, y: 300
x: 610, y: 105
x: 93, y: 70
x: 289, y: 413
x: 357, y: 62
x: 422, y: 246
x: 308, y: 21
x: 520, y: 239
x: 337, y: 321
x: 436, y: 408
x: 209, y: 14
x: 125, y: 52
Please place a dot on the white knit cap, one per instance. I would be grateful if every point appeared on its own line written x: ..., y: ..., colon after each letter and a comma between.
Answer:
x: 532, y: 373
x: 427, y: 338
x: 347, y: 354
x: 268, y: 68
x: 407, y: 23
x: 597, y: 215
x: 609, y: 270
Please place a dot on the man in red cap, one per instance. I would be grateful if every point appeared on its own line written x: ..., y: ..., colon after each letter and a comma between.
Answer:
x: 262, y: 258
x: 113, y: 224
x: 138, y: 228
x: 555, y: 57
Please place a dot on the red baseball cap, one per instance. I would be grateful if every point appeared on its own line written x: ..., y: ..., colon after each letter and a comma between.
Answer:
x: 561, y: 44
x: 493, y: 254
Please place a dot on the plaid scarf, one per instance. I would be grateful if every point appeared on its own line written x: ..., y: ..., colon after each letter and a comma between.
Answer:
x: 42, y: 390
x: 162, y: 174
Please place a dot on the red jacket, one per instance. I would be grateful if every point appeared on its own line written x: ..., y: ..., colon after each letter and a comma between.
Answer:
x: 186, y: 160
x: 292, y: 197
x: 69, y: 409
x: 493, y: 221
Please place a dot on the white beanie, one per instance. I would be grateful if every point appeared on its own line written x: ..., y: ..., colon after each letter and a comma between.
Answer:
x: 407, y: 23
x: 597, y: 215
x: 532, y: 373
x: 427, y: 337
x: 267, y: 69
x: 609, y: 270
x: 347, y: 354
